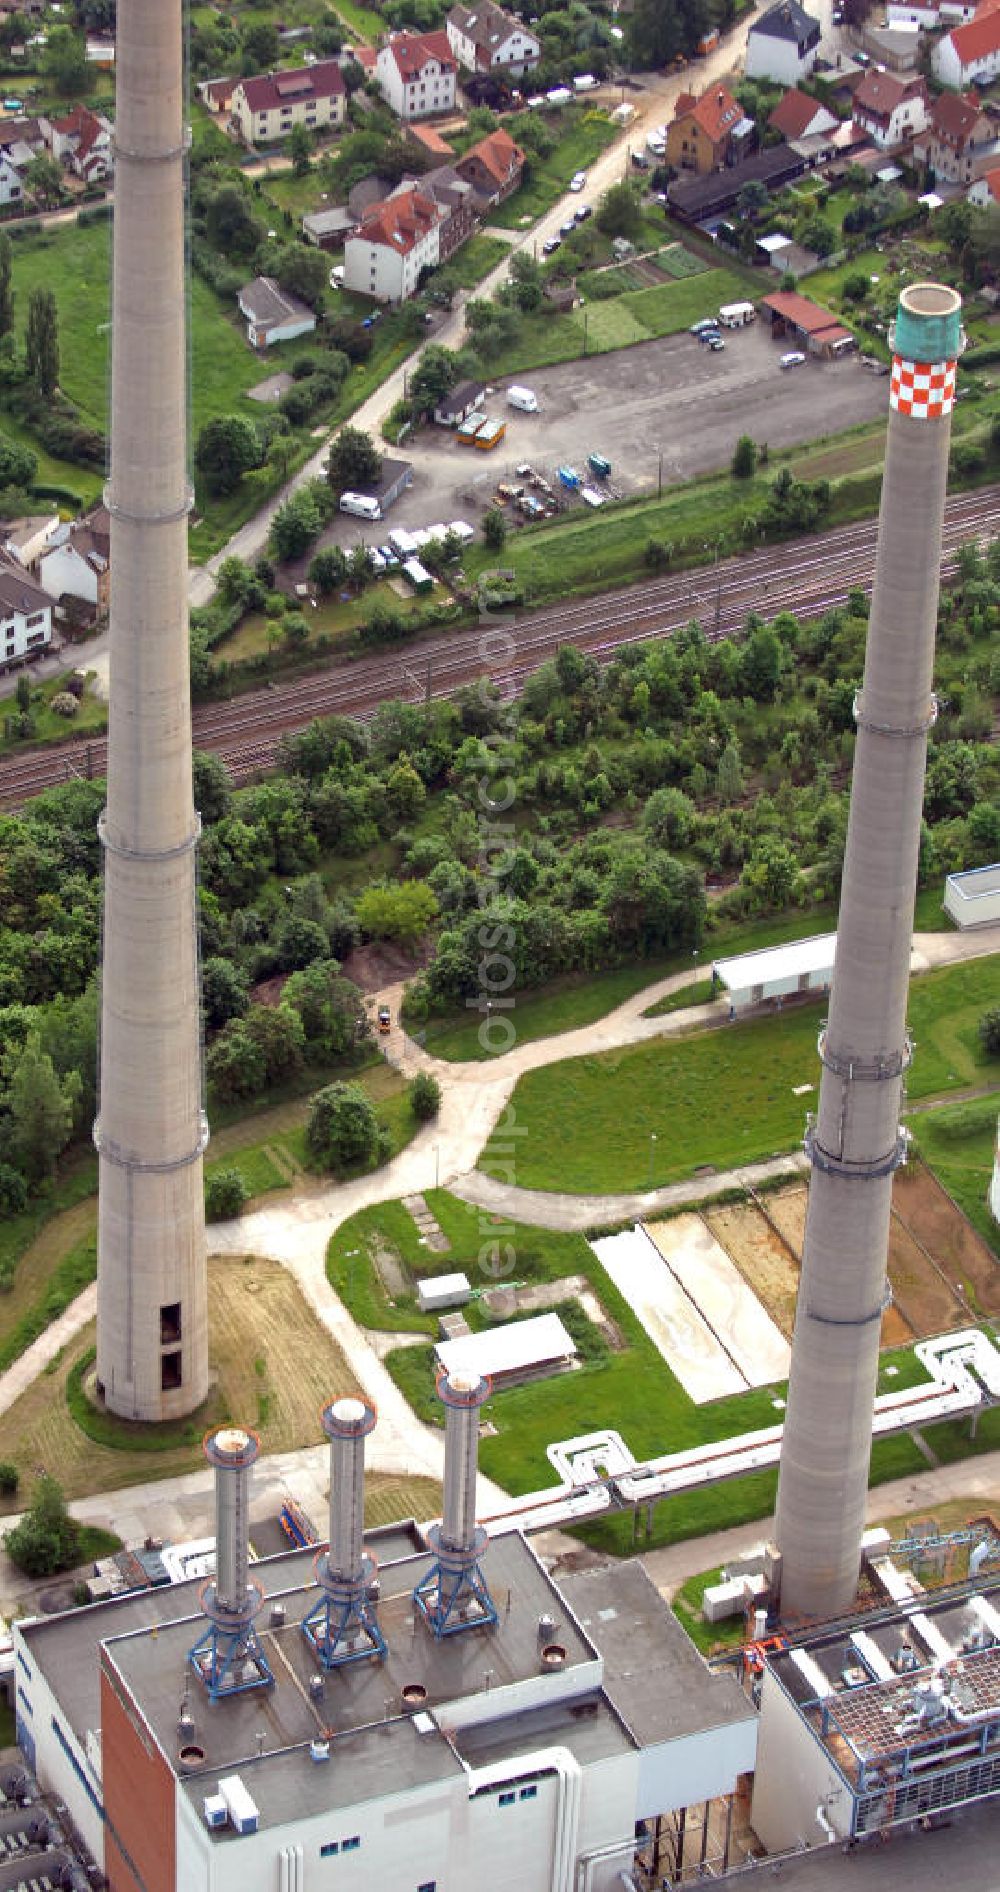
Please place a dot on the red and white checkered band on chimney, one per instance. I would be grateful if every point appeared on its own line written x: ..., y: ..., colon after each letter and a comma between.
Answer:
x: 925, y: 390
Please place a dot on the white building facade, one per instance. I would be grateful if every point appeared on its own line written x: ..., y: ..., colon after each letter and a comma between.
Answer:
x: 486, y: 39
x: 416, y: 73
x: 969, y: 55
x: 393, y: 244
x: 25, y: 616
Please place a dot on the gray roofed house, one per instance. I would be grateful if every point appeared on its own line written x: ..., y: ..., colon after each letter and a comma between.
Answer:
x: 272, y: 314
x: 782, y: 45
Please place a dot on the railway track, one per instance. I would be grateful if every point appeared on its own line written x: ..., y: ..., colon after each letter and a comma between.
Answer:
x: 806, y: 576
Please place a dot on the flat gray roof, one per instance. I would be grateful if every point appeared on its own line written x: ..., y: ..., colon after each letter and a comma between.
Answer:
x: 653, y: 1674
x: 65, y: 1646
x: 976, y: 881
x: 265, y: 1734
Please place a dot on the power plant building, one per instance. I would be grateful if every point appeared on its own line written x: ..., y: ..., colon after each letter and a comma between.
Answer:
x: 536, y: 1744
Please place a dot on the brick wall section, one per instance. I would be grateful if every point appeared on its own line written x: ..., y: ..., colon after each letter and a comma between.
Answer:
x: 139, y: 1845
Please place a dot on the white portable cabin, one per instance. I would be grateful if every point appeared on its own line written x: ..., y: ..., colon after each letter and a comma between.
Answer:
x: 443, y: 1290
x: 973, y: 898
x: 736, y: 314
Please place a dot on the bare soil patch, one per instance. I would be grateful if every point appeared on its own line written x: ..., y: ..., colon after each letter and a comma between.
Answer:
x: 960, y: 1253
x: 763, y: 1259
x: 381, y: 963
x: 277, y: 1366
x: 933, y: 1252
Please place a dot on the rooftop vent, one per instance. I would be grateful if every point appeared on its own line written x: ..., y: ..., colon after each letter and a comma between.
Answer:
x: 319, y: 1751
x: 553, y: 1657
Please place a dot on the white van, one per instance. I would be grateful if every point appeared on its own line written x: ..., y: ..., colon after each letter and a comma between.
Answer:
x: 360, y: 505
x: 524, y: 399
x: 736, y: 314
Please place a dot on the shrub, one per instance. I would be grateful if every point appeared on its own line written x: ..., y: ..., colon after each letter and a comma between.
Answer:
x: 989, y: 1032
x: 65, y: 704
x: 424, y: 1093
x: 225, y: 1195
x: 10, y: 1478
x: 343, y: 1131
x: 744, y: 461
x: 47, y: 1539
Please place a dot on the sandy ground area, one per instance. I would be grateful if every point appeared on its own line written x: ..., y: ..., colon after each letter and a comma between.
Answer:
x: 727, y: 1302
x: 673, y: 1322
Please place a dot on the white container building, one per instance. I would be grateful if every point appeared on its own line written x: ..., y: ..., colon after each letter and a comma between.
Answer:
x: 973, y: 898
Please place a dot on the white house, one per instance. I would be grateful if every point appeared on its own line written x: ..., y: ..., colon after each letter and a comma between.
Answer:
x: 272, y: 314
x: 81, y: 142
x: 985, y: 192
x: 973, y: 898
x: 77, y: 561
x: 268, y: 106
x: 392, y: 244
x: 798, y: 116
x: 783, y: 44
x: 25, y: 615
x: 889, y: 109
x: 416, y: 72
x: 486, y: 39
x: 11, y: 186
x: 969, y: 55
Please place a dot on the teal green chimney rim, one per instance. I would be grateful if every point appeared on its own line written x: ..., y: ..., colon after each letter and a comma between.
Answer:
x: 928, y: 323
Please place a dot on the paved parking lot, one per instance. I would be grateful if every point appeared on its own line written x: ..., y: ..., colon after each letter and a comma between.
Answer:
x: 672, y: 398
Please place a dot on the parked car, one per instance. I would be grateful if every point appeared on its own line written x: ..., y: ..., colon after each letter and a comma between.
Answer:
x: 707, y: 322
x: 792, y: 360
x: 566, y: 229
x: 550, y: 245
x: 585, y: 211
x: 384, y: 1020
x: 578, y: 181
x: 715, y: 342
x: 709, y: 335
x: 388, y: 557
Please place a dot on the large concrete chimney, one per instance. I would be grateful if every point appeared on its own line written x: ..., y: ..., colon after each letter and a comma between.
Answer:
x: 454, y: 1594
x: 152, y: 1335
x: 343, y: 1625
x: 855, y: 1143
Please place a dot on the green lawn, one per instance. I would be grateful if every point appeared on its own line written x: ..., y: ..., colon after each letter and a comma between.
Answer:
x: 91, y: 716
x: 611, y: 1106
x: 476, y: 259
x: 958, y: 1144
x: 75, y: 264
x: 632, y: 1388
x: 360, y: 22
x: 588, y: 133
x: 578, y: 1000
x: 638, y: 315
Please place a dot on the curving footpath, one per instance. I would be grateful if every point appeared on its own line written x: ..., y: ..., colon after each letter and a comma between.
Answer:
x: 297, y: 1230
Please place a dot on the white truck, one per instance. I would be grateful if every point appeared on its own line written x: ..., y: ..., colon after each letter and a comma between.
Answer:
x: 524, y: 399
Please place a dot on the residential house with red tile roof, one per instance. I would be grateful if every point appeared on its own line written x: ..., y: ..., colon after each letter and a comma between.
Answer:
x: 494, y: 167
x: 985, y: 192
x: 959, y: 141
x: 970, y: 54
x: 268, y: 106
x: 706, y: 133
x: 889, y: 109
x: 394, y: 242
x: 486, y: 39
x: 798, y: 116
x: 416, y: 73
x: 82, y: 142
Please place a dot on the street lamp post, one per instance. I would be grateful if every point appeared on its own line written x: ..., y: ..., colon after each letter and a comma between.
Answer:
x: 652, y: 1155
